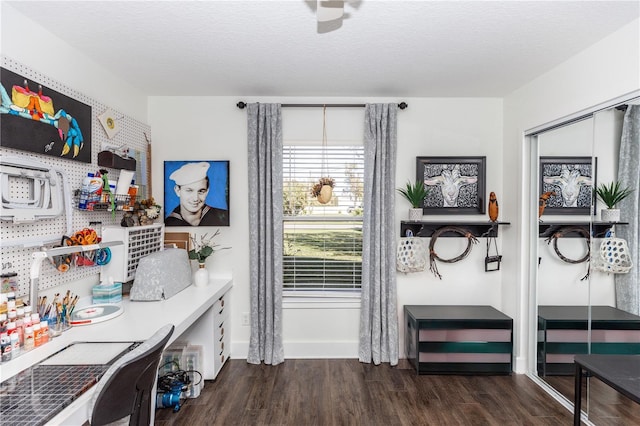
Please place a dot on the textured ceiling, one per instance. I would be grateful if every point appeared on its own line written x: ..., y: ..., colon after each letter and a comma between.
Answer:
x: 383, y: 48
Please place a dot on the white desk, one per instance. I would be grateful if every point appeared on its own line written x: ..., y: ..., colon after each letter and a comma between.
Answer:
x: 190, y: 311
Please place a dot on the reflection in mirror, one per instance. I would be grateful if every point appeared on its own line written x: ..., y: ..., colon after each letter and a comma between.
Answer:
x: 582, y: 306
x: 621, y: 336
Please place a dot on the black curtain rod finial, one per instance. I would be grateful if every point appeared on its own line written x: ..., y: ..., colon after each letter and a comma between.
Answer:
x: 402, y: 105
x: 241, y: 105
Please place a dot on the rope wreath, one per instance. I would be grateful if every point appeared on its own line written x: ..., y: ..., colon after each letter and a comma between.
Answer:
x: 566, y: 230
x: 433, y: 256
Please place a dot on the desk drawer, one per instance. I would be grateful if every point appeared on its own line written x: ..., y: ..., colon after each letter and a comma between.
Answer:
x: 220, y: 330
x: 221, y: 354
x: 221, y: 308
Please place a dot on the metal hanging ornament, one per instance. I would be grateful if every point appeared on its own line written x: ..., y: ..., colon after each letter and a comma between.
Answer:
x: 492, y: 262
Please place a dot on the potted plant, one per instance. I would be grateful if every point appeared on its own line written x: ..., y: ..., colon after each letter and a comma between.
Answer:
x: 323, y: 190
x: 200, y: 251
x: 415, y: 193
x: 611, y: 195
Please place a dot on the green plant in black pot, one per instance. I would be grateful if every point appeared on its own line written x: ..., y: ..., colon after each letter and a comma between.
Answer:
x: 415, y: 193
x: 611, y: 194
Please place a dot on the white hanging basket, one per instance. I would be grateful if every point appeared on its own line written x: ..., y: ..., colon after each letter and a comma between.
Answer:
x: 613, y: 256
x: 411, y: 255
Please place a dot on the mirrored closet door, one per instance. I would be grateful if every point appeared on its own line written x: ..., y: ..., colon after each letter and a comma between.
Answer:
x: 580, y: 305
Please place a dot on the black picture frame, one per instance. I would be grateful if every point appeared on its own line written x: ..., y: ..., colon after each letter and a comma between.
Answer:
x: 580, y: 171
x: 216, y: 202
x: 43, y: 120
x: 468, y: 190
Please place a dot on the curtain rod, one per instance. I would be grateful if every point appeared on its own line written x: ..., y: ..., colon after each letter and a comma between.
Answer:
x: 401, y: 105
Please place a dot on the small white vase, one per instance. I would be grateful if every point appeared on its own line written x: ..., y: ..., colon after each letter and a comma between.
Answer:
x: 201, y: 276
x: 610, y: 215
x: 415, y: 214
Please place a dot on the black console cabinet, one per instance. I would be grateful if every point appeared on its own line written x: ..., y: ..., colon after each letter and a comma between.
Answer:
x: 458, y: 339
x: 564, y: 331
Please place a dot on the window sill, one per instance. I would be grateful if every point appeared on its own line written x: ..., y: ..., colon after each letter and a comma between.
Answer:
x: 331, y: 301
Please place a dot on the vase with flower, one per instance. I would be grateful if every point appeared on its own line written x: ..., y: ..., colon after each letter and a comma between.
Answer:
x: 200, y: 250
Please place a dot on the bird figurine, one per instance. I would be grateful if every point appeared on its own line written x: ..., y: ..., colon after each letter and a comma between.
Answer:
x: 542, y: 203
x: 493, y: 207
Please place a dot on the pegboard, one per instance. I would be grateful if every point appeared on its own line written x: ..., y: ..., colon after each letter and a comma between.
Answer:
x: 132, y: 133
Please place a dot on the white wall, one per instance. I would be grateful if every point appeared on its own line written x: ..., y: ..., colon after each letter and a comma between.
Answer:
x: 27, y: 42
x: 607, y: 69
x: 212, y: 128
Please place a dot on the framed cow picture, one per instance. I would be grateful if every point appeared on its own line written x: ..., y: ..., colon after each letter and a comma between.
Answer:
x: 456, y: 185
x: 570, y: 182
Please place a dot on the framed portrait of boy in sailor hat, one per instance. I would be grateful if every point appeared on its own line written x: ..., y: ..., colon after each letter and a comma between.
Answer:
x: 196, y: 193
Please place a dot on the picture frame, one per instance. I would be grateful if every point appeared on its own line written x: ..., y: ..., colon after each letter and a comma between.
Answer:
x: 573, y: 179
x: 465, y: 177
x: 177, y: 240
x: 188, y: 201
x: 44, y: 121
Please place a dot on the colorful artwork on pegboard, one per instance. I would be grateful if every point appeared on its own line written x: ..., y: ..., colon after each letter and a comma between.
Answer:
x: 37, y: 119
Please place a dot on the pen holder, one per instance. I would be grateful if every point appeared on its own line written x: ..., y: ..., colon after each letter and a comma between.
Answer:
x: 57, y: 325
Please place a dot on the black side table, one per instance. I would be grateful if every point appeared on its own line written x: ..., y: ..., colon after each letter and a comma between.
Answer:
x: 621, y: 372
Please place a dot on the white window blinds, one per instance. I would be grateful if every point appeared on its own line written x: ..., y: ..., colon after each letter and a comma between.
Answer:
x: 322, y: 243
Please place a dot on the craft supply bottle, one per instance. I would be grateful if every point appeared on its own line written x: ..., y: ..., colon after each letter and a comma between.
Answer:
x: 15, y: 345
x: 35, y: 319
x: 84, y: 192
x: 27, y: 320
x: 37, y: 335
x: 13, y: 337
x: 44, y: 331
x: 90, y: 192
x: 12, y: 316
x: 35, y: 324
x: 11, y: 328
x: 11, y: 305
x: 5, y: 346
x: 20, y: 325
x: 28, y: 339
x: 3, y: 323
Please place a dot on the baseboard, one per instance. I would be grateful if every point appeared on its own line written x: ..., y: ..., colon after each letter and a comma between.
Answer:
x: 520, y: 365
x: 239, y: 350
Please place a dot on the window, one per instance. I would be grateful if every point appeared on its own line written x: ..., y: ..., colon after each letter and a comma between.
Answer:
x: 322, y: 242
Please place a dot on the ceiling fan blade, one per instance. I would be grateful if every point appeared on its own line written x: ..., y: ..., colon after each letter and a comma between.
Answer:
x: 329, y: 10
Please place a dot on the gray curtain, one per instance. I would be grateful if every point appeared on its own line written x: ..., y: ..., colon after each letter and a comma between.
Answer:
x: 265, y: 233
x: 378, y: 341
x: 627, y: 285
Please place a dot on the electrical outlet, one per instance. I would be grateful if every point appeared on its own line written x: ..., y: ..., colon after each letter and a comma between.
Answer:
x: 245, y: 319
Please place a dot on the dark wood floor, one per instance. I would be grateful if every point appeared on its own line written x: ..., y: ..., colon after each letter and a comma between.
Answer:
x: 347, y: 392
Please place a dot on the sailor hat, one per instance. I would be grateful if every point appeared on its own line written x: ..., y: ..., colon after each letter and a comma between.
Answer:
x: 189, y: 173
